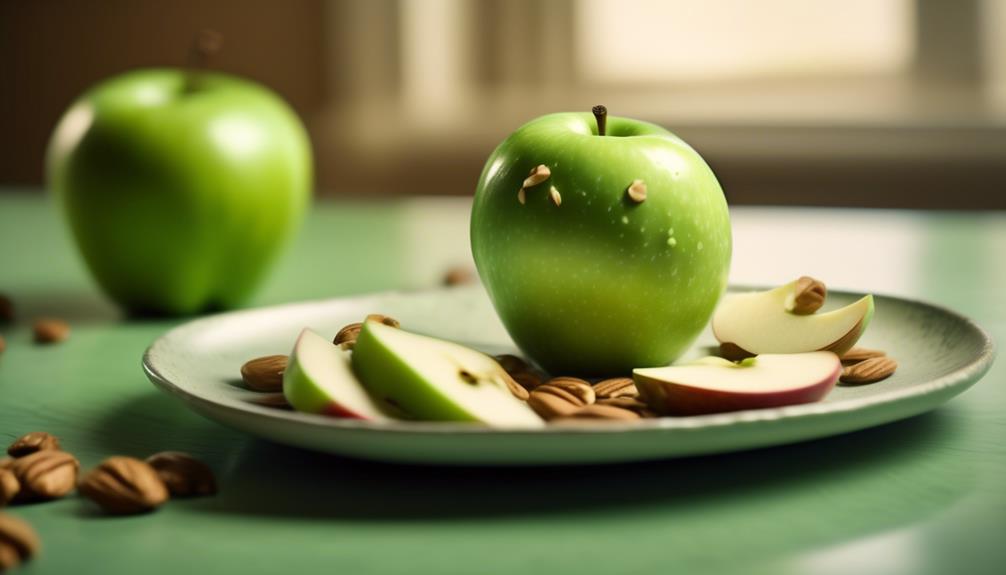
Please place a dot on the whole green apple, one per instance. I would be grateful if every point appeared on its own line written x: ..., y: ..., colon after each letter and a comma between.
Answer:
x: 180, y: 193
x: 588, y: 276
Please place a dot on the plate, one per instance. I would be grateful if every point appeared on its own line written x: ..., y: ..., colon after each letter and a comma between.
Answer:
x: 940, y: 354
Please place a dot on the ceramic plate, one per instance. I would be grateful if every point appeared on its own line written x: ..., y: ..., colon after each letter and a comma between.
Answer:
x: 939, y: 352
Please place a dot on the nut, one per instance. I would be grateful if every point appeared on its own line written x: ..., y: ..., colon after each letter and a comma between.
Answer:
x: 808, y: 296
x: 182, y: 474
x: 265, y: 373
x: 515, y: 388
x: 31, y: 442
x: 553, y: 402
x: 601, y: 412
x: 858, y: 354
x: 637, y: 191
x: 18, y: 541
x: 459, y: 275
x: 51, y: 330
x: 47, y: 474
x: 616, y: 387
x: 869, y: 370
x: 9, y: 486
x: 522, y: 196
x: 579, y: 388
x: 630, y: 403
x: 537, y: 175
x: 6, y: 309
x: 124, y: 485
x: 346, y: 338
x: 386, y: 320
x: 553, y: 194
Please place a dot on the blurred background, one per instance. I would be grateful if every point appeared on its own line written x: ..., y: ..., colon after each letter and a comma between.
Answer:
x: 894, y: 103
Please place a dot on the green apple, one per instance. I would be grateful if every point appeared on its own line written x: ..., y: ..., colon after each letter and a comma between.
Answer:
x: 598, y: 283
x: 713, y: 384
x: 319, y: 379
x: 436, y: 380
x: 180, y: 194
x: 763, y: 322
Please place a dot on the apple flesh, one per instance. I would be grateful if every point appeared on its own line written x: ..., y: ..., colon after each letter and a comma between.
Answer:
x: 436, y: 380
x: 760, y: 322
x: 714, y: 385
x: 319, y: 379
x: 600, y: 283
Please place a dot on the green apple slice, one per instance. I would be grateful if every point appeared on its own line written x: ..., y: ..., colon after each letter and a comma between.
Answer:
x: 319, y: 379
x: 436, y: 380
x: 760, y: 322
x: 713, y: 384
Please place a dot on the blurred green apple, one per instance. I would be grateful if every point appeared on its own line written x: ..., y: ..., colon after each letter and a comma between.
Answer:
x: 588, y: 278
x: 180, y: 193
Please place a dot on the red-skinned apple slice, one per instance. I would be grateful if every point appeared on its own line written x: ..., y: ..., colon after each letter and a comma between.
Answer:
x: 760, y: 322
x: 714, y: 385
x: 319, y: 379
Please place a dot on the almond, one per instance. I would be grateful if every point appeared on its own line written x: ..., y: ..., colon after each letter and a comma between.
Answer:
x: 46, y: 474
x: 869, y: 370
x: 616, y: 387
x: 858, y: 354
x: 124, y: 485
x: 808, y: 296
x: 265, y: 373
x: 51, y: 330
x: 31, y: 442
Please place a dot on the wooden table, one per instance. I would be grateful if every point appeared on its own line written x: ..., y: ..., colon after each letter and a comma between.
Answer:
x: 926, y: 495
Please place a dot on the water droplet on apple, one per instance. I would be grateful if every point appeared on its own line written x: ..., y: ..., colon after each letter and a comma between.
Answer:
x: 625, y: 219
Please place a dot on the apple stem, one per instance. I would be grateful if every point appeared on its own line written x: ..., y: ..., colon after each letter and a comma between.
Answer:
x: 601, y: 115
x: 206, y: 44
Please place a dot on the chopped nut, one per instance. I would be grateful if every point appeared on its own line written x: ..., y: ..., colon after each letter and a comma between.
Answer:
x: 579, y: 388
x: 553, y: 195
x: 858, y: 354
x: 346, y: 338
x: 51, y: 331
x: 182, y: 474
x: 265, y: 373
x: 869, y: 370
x: 637, y: 191
x: 538, y: 175
x: 808, y: 296
x: 124, y: 485
x: 31, y: 442
x: 9, y: 486
x: 616, y: 387
x: 47, y: 474
x: 18, y: 541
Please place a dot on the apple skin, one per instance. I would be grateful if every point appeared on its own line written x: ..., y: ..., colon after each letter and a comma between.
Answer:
x: 180, y: 199
x: 594, y: 286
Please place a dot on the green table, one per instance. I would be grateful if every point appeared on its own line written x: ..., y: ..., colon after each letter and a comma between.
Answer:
x: 926, y: 495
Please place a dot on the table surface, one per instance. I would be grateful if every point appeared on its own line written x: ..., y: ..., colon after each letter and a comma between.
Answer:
x: 925, y: 495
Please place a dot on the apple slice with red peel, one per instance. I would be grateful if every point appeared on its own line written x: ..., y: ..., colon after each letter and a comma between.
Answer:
x: 319, y: 379
x: 714, y: 385
x: 761, y: 322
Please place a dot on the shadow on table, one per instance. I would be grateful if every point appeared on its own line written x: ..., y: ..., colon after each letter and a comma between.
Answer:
x: 272, y: 480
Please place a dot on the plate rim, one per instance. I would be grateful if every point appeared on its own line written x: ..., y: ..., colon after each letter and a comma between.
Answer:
x: 969, y: 373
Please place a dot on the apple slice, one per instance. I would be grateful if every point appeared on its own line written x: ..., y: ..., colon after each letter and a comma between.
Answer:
x: 436, y: 380
x: 713, y: 384
x: 759, y: 322
x: 319, y: 379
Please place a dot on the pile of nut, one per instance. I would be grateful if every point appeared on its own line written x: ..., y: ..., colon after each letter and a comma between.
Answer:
x: 568, y: 400
x: 39, y: 470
